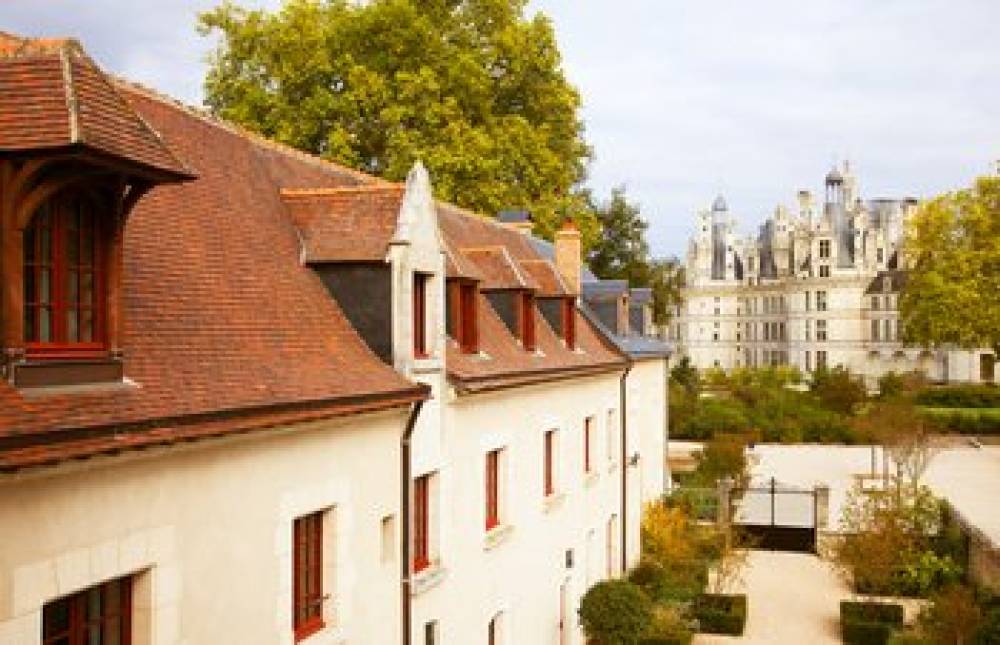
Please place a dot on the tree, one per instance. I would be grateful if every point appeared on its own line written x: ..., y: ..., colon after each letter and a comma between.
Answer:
x: 621, y: 252
x: 838, y: 389
x: 906, y: 436
x: 473, y: 88
x: 952, y: 295
x: 615, y: 612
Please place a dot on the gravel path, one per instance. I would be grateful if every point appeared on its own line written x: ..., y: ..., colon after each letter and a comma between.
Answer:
x: 793, y: 599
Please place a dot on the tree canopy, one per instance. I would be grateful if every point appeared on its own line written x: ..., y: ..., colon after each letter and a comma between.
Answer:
x: 473, y: 88
x: 952, y: 295
x: 622, y: 253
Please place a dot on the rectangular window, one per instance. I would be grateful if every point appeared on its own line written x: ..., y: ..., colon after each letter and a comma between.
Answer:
x: 879, y: 254
x: 821, y: 359
x: 612, y: 433
x: 588, y: 425
x: 875, y: 303
x: 875, y: 330
x: 888, y: 330
x: 808, y: 361
x: 824, y: 248
x: 821, y: 330
x: 388, y: 534
x: 307, y: 575
x: 824, y: 271
x: 569, y: 322
x: 549, y: 475
x: 820, y: 301
x: 421, y: 523
x: 420, y: 314
x: 492, y: 489
x: 100, y: 615
x: 808, y: 301
x: 527, y: 321
x: 430, y: 633
x: 463, y: 324
x: 808, y: 329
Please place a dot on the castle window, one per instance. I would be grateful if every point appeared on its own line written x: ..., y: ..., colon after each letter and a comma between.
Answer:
x: 875, y: 330
x: 821, y: 330
x: 824, y: 248
x: 875, y: 303
x: 64, y: 281
x: 101, y: 614
x: 824, y: 271
x: 820, y: 301
x: 879, y: 253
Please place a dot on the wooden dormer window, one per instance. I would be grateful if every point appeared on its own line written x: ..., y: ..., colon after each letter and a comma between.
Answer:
x: 526, y: 320
x: 65, y: 292
x: 463, y: 316
x: 569, y: 322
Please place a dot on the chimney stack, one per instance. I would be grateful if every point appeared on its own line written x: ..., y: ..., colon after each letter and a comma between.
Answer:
x: 568, y: 255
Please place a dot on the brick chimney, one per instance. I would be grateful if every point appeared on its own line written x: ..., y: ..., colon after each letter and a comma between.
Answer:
x: 568, y: 255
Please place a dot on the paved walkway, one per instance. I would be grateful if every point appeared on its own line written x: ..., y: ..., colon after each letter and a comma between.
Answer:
x: 793, y: 598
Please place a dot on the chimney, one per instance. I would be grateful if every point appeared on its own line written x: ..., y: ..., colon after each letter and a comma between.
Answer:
x: 518, y: 220
x: 568, y: 255
x: 805, y: 203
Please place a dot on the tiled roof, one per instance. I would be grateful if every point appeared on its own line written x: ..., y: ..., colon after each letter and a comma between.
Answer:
x: 53, y: 96
x: 457, y: 266
x: 546, y: 276
x: 498, y: 268
x: 348, y: 224
x: 224, y: 325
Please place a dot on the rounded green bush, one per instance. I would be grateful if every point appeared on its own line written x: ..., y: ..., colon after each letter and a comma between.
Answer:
x: 615, y: 612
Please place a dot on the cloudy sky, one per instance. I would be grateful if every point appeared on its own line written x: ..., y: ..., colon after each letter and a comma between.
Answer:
x: 685, y: 99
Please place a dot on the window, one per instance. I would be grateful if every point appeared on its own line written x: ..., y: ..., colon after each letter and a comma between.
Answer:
x: 527, y: 321
x: 494, y: 630
x: 824, y: 248
x: 824, y: 270
x: 808, y: 301
x: 612, y: 432
x: 548, y: 473
x: 887, y: 330
x: 820, y: 301
x: 421, y: 523
x: 611, y: 540
x: 808, y: 329
x: 463, y: 324
x: 420, y: 281
x: 879, y: 254
x: 100, y: 615
x: 588, y: 424
x: 808, y: 361
x: 492, y: 489
x: 569, y: 322
x: 307, y: 575
x: 820, y: 330
x: 430, y: 633
x: 388, y: 534
x: 875, y: 330
x: 875, y: 303
x: 821, y: 359
x: 64, y: 282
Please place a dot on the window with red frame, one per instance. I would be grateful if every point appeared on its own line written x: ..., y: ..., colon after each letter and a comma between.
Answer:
x: 463, y: 323
x: 420, y: 281
x: 492, y: 489
x: 527, y: 320
x: 588, y: 424
x: 64, y: 282
x: 421, y: 523
x: 549, y: 465
x: 307, y: 575
x: 569, y: 323
x: 100, y: 615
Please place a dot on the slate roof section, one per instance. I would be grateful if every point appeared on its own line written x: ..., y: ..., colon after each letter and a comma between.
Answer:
x: 897, y: 280
x: 53, y: 96
x: 226, y: 330
x: 348, y: 224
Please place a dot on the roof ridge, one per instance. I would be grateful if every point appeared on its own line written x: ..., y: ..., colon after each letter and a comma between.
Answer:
x: 205, y: 115
x: 364, y: 188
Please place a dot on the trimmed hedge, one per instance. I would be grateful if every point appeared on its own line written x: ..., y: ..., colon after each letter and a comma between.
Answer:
x: 966, y: 420
x: 721, y: 613
x: 960, y: 396
x: 869, y: 623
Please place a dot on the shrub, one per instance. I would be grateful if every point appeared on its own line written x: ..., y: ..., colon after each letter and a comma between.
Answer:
x: 838, y: 390
x: 989, y: 630
x: 721, y: 613
x: 961, y: 396
x: 926, y: 572
x: 708, y: 417
x: 953, y: 616
x: 966, y: 420
x: 862, y: 632
x: 909, y: 638
x: 869, y: 623
x: 722, y: 456
x: 615, y: 612
x: 669, y: 627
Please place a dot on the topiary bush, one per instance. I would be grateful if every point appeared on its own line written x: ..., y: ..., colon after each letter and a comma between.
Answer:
x: 869, y: 623
x: 863, y: 632
x: 615, y: 612
x: 669, y: 627
x: 721, y: 613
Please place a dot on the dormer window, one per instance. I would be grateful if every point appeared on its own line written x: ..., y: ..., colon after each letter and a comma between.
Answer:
x: 420, y: 281
x: 569, y: 322
x: 526, y: 321
x: 64, y: 279
x: 463, y: 317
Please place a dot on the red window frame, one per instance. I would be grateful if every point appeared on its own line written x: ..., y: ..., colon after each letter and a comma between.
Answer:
x: 469, y: 327
x: 421, y: 523
x: 548, y: 470
x: 492, y: 489
x: 527, y: 320
x: 420, y: 314
x: 64, y: 250
x: 587, y: 424
x: 307, y: 575
x: 103, y: 610
x: 569, y: 322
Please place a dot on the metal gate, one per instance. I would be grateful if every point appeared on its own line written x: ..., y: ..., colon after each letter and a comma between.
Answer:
x: 775, y: 516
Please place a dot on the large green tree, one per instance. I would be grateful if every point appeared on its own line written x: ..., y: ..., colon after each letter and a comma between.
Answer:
x: 952, y: 295
x: 473, y: 88
x: 622, y: 252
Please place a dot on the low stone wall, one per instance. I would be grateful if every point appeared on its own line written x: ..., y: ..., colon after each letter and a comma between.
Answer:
x: 983, y: 555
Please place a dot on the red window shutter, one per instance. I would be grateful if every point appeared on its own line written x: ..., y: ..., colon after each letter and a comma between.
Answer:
x: 528, y: 322
x: 102, y: 612
x: 470, y: 321
x: 569, y: 323
x: 307, y: 575
x: 421, y: 523
x: 548, y: 474
x: 492, y: 489
x: 420, y: 315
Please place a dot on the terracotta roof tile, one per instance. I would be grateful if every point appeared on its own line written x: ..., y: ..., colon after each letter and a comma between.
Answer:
x: 545, y: 275
x: 498, y: 268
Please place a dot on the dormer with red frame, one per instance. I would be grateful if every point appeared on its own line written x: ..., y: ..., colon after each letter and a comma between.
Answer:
x: 75, y: 158
x: 509, y: 290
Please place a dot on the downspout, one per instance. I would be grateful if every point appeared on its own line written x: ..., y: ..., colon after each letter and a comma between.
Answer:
x: 623, y: 406
x: 405, y: 478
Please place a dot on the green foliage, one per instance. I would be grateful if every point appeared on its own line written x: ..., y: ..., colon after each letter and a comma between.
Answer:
x: 927, y: 571
x: 615, y: 612
x: 838, y: 390
x: 989, y: 629
x: 707, y: 417
x: 670, y: 626
x: 869, y: 623
x: 909, y: 637
x: 686, y: 375
x: 966, y: 420
x: 952, y: 293
x: 960, y: 396
x: 954, y: 616
x: 721, y: 613
x: 473, y: 88
x: 891, y: 385
x: 723, y: 456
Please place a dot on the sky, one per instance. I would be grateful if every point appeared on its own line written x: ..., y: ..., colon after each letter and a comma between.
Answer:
x: 684, y: 99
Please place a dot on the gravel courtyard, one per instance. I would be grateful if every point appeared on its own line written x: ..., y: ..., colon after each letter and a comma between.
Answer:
x: 793, y: 598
